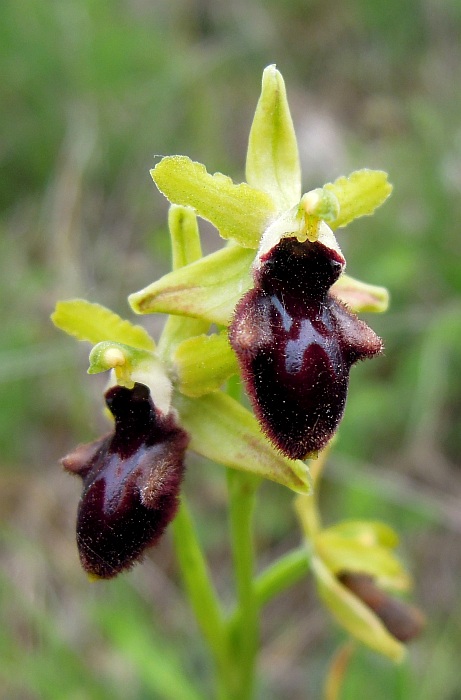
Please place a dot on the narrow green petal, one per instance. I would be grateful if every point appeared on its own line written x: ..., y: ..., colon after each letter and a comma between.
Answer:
x: 239, y: 212
x: 225, y: 432
x: 360, y: 296
x: 272, y: 160
x: 204, y: 363
x: 94, y: 323
x: 208, y: 289
x: 359, y: 194
x: 354, y: 615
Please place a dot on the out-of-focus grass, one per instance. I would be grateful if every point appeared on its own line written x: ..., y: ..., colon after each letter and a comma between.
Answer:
x: 92, y: 92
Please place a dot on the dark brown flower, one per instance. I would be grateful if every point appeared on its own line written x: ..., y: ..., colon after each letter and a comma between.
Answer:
x: 296, y: 344
x: 131, y: 480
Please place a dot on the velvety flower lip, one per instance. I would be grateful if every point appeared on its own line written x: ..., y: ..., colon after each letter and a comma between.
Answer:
x: 131, y: 480
x: 296, y: 344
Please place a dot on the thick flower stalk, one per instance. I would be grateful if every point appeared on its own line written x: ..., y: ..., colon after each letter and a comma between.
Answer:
x: 275, y: 308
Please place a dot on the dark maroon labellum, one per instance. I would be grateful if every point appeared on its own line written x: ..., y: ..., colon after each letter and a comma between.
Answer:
x: 403, y: 621
x: 131, y: 480
x: 296, y: 344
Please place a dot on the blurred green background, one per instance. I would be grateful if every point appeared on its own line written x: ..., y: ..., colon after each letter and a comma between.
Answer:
x: 91, y: 93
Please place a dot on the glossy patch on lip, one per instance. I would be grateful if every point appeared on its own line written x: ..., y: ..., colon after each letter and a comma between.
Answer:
x: 131, y: 480
x: 296, y: 344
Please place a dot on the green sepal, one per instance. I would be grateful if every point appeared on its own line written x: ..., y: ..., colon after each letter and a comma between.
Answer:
x: 359, y: 296
x: 272, y: 163
x: 223, y: 431
x: 185, y: 236
x: 208, y: 289
x: 359, y: 194
x: 353, y: 615
x: 94, y: 323
x: 363, y: 547
x: 239, y: 212
x: 204, y: 363
x: 186, y: 248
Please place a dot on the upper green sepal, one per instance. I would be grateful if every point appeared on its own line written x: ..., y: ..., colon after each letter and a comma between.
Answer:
x: 94, y: 323
x: 359, y: 194
x: 185, y: 236
x: 272, y: 163
x: 239, y: 212
x: 185, y: 248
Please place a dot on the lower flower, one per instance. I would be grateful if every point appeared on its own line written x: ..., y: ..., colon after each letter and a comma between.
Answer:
x: 131, y: 480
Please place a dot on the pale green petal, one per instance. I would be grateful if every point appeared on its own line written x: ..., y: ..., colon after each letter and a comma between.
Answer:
x: 354, y: 615
x: 224, y: 431
x: 94, y: 323
x: 359, y: 194
x: 360, y: 296
x: 202, y: 364
x: 272, y: 161
x: 239, y: 212
x: 208, y: 289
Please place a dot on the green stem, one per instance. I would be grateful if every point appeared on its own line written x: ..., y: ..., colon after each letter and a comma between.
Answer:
x: 245, y: 637
x: 282, y: 574
x: 279, y: 576
x: 201, y: 594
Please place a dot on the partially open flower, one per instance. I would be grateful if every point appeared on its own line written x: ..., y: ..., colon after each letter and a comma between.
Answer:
x: 355, y: 567
x: 296, y: 344
x: 131, y: 479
